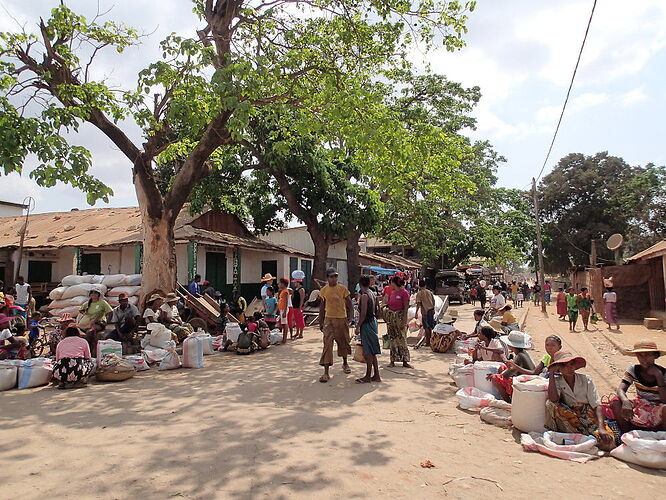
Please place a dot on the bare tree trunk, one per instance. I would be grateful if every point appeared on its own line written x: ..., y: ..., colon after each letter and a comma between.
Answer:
x: 159, y: 255
x: 353, y: 259
x: 321, y: 244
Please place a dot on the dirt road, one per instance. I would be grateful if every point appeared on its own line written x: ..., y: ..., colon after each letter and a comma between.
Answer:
x: 261, y: 426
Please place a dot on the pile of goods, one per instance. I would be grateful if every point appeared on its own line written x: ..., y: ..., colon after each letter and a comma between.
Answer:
x: 75, y: 290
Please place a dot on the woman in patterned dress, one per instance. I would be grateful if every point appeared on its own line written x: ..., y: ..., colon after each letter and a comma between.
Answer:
x: 395, y: 315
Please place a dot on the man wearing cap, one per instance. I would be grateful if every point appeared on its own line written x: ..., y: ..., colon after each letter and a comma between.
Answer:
x: 335, y: 315
x: 126, y: 318
x: 648, y: 409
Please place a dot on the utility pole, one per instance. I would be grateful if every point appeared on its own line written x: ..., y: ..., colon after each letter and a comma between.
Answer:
x: 542, y: 278
x: 593, y: 253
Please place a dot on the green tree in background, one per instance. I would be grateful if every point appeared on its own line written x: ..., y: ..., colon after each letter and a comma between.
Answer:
x: 200, y: 96
x: 593, y: 197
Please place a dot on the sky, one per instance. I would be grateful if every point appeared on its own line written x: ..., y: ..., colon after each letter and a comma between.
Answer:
x: 521, y: 53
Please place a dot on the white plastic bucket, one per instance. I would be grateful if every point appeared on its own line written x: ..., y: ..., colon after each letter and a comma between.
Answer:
x: 483, y: 369
x: 528, y: 410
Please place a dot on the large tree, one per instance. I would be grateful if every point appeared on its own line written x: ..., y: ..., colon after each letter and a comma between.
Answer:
x: 592, y: 197
x: 200, y: 96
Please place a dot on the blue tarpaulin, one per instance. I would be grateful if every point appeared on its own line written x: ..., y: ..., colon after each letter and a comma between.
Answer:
x: 381, y: 270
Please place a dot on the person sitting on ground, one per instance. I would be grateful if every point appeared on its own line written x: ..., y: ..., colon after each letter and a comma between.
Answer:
x: 503, y: 382
x: 151, y: 312
x: 509, y: 321
x: 480, y: 323
x: 425, y: 302
x: 222, y: 320
x: 92, y: 318
x: 489, y: 347
x: 169, y: 316
x: 648, y: 410
x: 73, y: 363
x: 367, y: 328
x: 445, y: 333
x: 270, y: 307
x: 126, y: 318
x: 553, y: 345
x: 573, y: 405
x: 12, y: 346
x: 497, y: 301
x: 260, y: 330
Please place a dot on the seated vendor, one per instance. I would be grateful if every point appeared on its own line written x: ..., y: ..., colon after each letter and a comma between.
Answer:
x: 92, y: 317
x: 11, y: 346
x: 573, y: 405
x: 169, y: 316
x: 489, y: 347
x: 509, y: 321
x: 503, y: 382
x: 648, y: 410
x: 73, y: 363
x: 222, y: 319
x: 552, y: 345
x: 445, y: 332
x: 479, y: 323
x: 259, y: 328
x: 126, y: 318
x: 151, y: 312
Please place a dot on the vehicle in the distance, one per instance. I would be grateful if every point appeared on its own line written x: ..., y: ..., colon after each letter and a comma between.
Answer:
x: 450, y: 283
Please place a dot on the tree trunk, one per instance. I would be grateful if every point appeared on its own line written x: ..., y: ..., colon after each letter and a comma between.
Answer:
x: 353, y: 259
x: 321, y: 244
x: 159, y: 256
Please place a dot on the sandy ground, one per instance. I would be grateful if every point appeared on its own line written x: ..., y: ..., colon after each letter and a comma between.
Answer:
x: 261, y: 426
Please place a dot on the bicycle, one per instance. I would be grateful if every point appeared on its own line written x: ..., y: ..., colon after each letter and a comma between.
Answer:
x: 44, y: 339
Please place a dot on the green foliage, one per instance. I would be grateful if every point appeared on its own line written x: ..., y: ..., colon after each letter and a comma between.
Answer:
x: 592, y: 197
x: 322, y: 56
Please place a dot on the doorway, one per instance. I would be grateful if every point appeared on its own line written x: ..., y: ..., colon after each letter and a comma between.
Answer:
x: 39, y: 271
x: 216, y: 270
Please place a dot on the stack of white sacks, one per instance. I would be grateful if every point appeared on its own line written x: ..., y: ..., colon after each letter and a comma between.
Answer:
x: 75, y: 290
x: 527, y: 411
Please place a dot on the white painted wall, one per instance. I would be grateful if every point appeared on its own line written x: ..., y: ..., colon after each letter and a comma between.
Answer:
x: 10, y: 211
x: 298, y: 238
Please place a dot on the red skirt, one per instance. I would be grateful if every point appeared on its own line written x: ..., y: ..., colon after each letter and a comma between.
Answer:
x: 561, y: 308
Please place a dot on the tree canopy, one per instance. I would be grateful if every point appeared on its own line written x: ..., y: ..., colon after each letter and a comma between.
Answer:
x: 593, y: 197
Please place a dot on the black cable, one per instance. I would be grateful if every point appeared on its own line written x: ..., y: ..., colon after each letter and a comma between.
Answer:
x: 566, y: 100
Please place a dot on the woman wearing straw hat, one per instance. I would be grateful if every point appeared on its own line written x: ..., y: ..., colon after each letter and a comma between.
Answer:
x: 517, y: 343
x: 648, y: 410
x: 573, y: 404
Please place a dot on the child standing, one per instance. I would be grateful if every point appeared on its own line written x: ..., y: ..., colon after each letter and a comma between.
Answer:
x: 270, y: 307
x: 284, y: 302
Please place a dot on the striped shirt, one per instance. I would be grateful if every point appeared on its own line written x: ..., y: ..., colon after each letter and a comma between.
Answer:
x: 633, y: 375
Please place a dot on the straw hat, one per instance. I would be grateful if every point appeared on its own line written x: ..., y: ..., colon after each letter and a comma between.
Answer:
x: 453, y: 313
x: 65, y: 318
x: 268, y: 277
x: 154, y: 297
x: 645, y: 346
x: 496, y: 325
x: 170, y: 297
x: 517, y: 339
x: 562, y: 358
x: 447, y: 318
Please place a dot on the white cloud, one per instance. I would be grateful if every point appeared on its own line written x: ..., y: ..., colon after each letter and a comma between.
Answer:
x: 576, y: 104
x: 634, y: 96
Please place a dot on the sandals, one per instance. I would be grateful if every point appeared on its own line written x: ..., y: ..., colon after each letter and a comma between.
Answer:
x: 324, y: 378
x: 347, y: 370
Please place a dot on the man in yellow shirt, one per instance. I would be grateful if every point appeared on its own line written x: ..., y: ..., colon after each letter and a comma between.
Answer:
x: 335, y: 313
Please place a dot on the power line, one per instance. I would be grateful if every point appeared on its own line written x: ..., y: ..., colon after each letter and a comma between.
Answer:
x: 566, y: 100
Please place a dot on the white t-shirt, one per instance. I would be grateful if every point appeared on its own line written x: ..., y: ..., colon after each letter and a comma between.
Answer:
x: 5, y: 334
x: 149, y: 313
x: 22, y: 293
x: 497, y: 301
x: 264, y: 292
x: 610, y: 297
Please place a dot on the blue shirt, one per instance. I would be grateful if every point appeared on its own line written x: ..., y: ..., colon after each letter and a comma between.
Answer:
x: 271, y: 307
x: 194, y: 288
x: 34, y: 330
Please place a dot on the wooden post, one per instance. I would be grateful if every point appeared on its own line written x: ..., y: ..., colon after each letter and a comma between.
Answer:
x: 542, y: 278
x: 593, y: 253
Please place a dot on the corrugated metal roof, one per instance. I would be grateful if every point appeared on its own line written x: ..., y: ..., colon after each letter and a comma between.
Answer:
x: 391, y: 260
x: 656, y: 250
x: 104, y: 227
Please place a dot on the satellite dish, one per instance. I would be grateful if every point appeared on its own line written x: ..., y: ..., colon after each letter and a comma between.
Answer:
x: 615, y: 241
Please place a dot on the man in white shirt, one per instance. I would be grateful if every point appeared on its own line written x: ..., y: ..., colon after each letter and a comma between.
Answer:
x: 497, y: 301
x: 23, y: 296
x: 268, y: 281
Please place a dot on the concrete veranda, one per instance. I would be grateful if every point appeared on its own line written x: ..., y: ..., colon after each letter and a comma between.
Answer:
x: 262, y: 426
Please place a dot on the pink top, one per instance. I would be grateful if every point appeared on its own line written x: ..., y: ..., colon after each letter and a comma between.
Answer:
x: 73, y: 347
x: 398, y: 299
